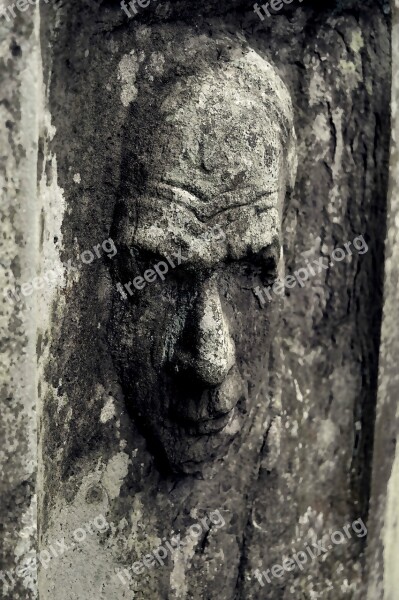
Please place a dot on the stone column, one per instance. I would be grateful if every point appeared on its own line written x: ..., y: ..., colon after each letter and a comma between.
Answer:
x: 383, y: 548
x: 20, y: 89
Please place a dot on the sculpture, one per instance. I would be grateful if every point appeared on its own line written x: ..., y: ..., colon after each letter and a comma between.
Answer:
x: 217, y: 149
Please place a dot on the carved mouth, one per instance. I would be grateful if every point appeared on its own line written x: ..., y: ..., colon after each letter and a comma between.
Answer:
x: 208, y: 426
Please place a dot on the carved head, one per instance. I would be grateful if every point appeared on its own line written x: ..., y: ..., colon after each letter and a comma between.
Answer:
x: 212, y: 164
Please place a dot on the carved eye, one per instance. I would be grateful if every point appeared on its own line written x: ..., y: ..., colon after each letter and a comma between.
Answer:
x: 262, y: 266
x: 268, y: 270
x: 246, y: 273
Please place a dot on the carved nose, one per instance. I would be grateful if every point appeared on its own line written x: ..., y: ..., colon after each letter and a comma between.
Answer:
x: 210, y: 349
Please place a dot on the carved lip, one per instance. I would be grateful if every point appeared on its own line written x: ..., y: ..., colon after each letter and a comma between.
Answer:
x: 208, y: 426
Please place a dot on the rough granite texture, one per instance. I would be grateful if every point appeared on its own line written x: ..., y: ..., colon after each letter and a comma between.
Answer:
x: 309, y: 470
x: 383, y: 547
x: 19, y: 71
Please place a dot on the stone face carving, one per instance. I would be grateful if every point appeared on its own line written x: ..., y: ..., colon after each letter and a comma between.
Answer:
x: 192, y: 349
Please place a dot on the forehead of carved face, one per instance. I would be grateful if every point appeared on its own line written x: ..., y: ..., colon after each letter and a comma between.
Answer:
x: 219, y: 154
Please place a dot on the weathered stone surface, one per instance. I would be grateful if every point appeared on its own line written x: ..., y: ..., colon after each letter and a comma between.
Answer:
x: 19, y: 70
x: 306, y: 470
x: 383, y: 547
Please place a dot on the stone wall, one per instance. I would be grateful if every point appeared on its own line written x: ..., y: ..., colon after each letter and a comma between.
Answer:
x: 309, y: 471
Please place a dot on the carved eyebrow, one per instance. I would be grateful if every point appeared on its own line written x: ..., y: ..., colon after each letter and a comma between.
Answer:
x: 195, y: 202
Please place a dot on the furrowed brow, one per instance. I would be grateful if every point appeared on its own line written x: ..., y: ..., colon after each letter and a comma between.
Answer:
x: 204, y: 208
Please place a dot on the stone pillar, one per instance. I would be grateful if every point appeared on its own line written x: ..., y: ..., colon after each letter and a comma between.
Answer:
x: 20, y: 75
x: 383, y: 548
